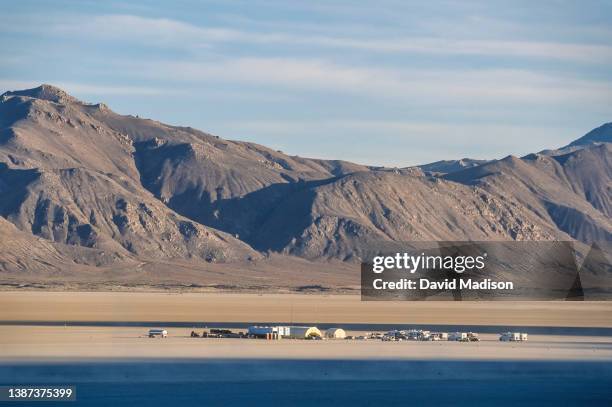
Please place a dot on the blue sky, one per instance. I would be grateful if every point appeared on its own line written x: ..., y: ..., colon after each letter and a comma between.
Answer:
x: 384, y: 83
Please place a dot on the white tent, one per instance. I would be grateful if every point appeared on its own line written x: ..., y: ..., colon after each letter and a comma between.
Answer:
x: 335, y: 333
x: 304, y: 332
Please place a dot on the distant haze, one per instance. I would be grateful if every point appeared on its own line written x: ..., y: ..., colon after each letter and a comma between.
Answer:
x: 390, y: 83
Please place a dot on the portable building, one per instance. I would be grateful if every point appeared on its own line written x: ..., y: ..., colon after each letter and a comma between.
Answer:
x: 275, y: 332
x: 335, y: 333
x: 283, y: 331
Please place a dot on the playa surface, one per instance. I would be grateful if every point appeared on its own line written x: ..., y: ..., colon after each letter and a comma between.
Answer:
x: 38, y: 343
x: 291, y: 308
x: 121, y: 366
x: 97, y: 342
x: 94, y: 325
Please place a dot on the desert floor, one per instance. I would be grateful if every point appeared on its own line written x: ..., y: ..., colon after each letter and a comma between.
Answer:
x: 204, y: 308
x: 76, y: 338
x: 36, y: 325
x: 37, y: 343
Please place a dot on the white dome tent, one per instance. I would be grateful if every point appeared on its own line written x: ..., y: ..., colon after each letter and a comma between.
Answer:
x: 335, y: 333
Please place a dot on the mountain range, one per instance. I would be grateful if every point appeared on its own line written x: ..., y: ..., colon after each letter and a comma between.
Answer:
x: 85, y: 191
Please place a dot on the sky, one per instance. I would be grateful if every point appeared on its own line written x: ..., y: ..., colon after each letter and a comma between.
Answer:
x: 393, y: 83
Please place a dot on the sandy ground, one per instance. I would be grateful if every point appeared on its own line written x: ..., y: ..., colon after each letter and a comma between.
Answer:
x: 121, y: 366
x: 70, y: 343
x: 276, y: 273
x: 212, y: 307
x: 23, y: 342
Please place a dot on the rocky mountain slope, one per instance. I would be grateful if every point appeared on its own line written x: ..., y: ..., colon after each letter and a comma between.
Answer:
x: 23, y: 252
x: 69, y: 178
x: 108, y: 186
x: 602, y: 134
x: 570, y: 192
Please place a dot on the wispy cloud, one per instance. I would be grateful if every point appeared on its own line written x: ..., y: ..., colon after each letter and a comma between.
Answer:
x: 169, y: 32
x: 424, y: 85
x: 440, y: 80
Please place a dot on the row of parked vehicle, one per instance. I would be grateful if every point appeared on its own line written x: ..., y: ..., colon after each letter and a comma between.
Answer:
x: 421, y: 335
x: 391, y: 336
x: 218, y: 333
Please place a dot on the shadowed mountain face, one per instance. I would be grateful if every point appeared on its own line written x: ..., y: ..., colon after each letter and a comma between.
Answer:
x: 448, y: 166
x: 79, y: 176
x: 602, y: 134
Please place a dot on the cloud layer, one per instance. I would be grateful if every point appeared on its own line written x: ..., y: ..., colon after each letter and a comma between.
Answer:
x: 532, y: 73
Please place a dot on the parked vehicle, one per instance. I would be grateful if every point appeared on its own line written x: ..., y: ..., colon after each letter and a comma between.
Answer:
x: 396, y: 336
x: 458, y: 336
x: 513, y: 337
x: 438, y: 336
x: 161, y: 333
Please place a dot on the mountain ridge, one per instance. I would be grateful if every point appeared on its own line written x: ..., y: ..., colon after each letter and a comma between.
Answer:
x: 82, y: 176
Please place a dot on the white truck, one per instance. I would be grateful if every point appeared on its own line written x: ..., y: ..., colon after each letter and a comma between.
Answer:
x: 438, y: 336
x: 161, y: 333
x: 513, y: 337
x: 458, y: 336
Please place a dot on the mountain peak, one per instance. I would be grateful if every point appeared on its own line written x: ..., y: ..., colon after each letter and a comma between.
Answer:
x: 602, y: 134
x: 45, y: 92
